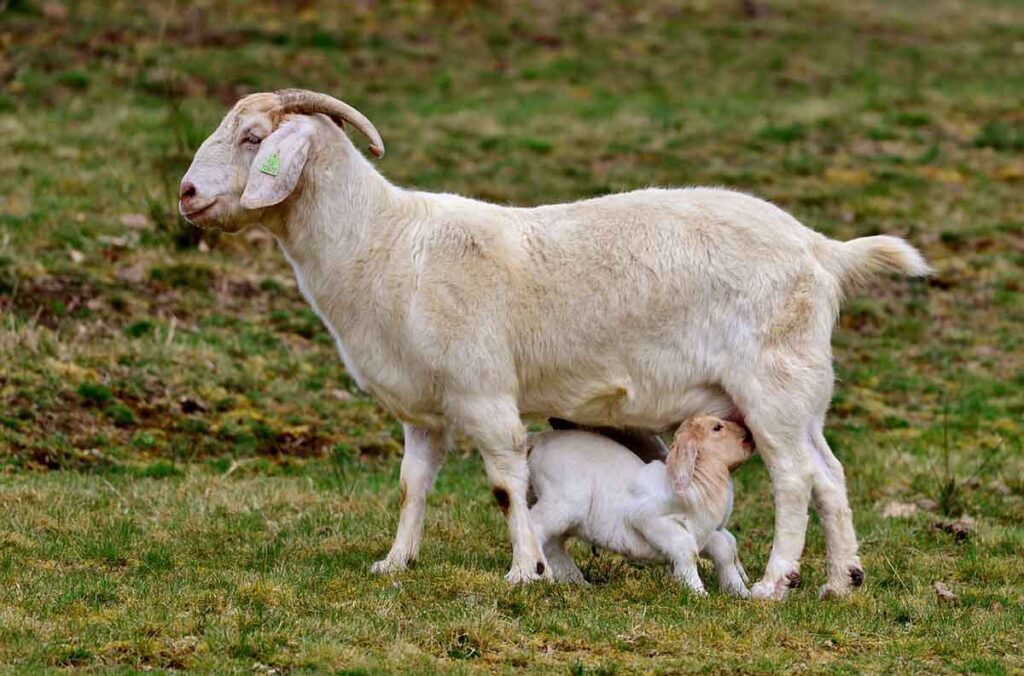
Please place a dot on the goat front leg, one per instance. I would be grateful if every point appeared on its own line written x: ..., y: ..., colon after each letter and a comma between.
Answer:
x: 425, y: 450
x: 676, y: 543
x: 721, y: 549
x: 493, y: 422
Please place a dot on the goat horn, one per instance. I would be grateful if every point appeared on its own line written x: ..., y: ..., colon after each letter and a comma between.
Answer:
x: 307, y: 102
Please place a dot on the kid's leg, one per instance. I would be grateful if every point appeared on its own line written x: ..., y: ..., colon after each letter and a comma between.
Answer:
x: 721, y: 549
x: 675, y: 542
x: 550, y: 523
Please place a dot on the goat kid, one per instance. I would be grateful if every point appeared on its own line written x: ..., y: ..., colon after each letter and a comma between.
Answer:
x: 634, y: 310
x: 597, y: 490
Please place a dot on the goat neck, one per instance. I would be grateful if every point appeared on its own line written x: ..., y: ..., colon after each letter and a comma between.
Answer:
x: 709, y: 488
x: 341, y: 208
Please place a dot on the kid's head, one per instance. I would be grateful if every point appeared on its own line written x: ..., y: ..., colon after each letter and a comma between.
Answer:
x: 705, y: 441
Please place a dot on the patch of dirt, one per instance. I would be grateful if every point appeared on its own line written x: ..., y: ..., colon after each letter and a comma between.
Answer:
x: 49, y: 299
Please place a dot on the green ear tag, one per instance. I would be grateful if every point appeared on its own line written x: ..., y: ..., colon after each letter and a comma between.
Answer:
x: 272, y: 164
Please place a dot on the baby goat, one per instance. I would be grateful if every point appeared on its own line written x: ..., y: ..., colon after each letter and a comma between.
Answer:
x: 590, y: 487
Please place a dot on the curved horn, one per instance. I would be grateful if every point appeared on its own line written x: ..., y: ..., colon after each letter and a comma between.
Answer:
x: 303, y: 101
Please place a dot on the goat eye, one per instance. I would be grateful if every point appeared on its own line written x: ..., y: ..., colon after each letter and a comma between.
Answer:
x: 717, y: 427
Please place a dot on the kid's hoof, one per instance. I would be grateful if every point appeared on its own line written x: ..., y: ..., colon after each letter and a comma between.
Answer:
x: 738, y: 592
x: 856, y: 576
x: 574, y: 577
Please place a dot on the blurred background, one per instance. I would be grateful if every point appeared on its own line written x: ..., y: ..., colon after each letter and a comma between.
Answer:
x: 859, y: 117
x: 134, y: 348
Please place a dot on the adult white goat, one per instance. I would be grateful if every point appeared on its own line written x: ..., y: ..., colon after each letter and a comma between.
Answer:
x: 639, y: 309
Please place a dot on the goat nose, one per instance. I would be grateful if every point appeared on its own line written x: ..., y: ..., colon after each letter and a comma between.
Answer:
x: 188, y: 190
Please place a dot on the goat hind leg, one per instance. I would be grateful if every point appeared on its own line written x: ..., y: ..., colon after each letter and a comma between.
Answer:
x: 833, y: 506
x: 493, y: 422
x: 550, y: 523
x: 563, y: 568
x: 789, y: 466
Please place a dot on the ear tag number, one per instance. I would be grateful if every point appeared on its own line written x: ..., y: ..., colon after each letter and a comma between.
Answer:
x: 272, y: 164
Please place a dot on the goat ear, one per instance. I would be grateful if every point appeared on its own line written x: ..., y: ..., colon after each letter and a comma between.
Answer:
x: 682, y: 459
x: 276, y: 169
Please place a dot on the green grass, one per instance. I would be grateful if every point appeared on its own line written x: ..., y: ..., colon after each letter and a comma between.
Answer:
x: 191, y: 480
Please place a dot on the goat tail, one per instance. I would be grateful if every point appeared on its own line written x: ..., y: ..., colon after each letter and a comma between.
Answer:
x: 860, y: 261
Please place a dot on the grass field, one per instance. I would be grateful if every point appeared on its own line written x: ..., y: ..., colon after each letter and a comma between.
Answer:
x: 191, y: 480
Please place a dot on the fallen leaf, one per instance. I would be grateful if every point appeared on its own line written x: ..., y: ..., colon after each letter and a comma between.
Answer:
x: 945, y: 594
x: 76, y: 256
x: 135, y: 221
x: 999, y: 488
x: 928, y: 505
x: 119, y: 242
x: 960, y: 528
x: 133, y: 274
x: 899, y: 510
x: 190, y: 405
x: 342, y: 395
x: 55, y: 11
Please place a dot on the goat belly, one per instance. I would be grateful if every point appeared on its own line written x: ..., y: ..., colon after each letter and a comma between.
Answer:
x: 621, y: 404
x: 619, y: 538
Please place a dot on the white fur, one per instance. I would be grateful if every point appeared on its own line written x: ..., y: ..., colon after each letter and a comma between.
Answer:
x: 591, y: 488
x: 635, y: 309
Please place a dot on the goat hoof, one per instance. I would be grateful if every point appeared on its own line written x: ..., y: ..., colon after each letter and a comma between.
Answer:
x: 776, y: 590
x: 843, y: 585
x: 833, y: 591
x: 389, y: 566
x: 766, y: 590
x: 570, y: 577
x: 737, y: 591
x: 519, y: 575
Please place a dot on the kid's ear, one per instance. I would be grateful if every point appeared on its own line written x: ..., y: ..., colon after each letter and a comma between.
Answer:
x: 276, y: 169
x: 682, y: 459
